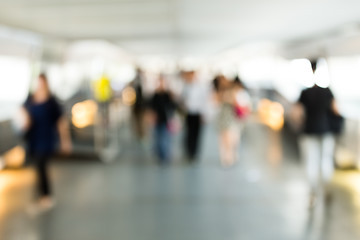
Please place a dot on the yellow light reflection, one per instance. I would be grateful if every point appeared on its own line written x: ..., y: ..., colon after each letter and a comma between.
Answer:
x: 271, y: 114
x: 84, y: 113
x: 350, y: 181
x: 15, y: 157
x: 5, y: 180
x: 11, y: 179
x: 2, y: 163
x: 128, y: 96
x: 11, y: 183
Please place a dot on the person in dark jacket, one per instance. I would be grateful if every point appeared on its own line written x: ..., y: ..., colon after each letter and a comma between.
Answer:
x: 45, y: 122
x: 163, y: 107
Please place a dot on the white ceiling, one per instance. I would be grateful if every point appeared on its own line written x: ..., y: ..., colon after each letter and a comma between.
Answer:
x: 182, y: 27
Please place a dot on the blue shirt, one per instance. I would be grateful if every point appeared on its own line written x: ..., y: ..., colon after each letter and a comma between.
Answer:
x: 42, y: 135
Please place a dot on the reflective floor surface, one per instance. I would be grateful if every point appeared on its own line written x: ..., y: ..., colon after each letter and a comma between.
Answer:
x: 264, y: 196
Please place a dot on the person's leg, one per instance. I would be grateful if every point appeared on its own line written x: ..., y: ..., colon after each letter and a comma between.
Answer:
x: 191, y: 140
x: 239, y: 130
x: 222, y: 146
x: 196, y: 135
x: 106, y: 114
x: 226, y: 148
x: 167, y: 144
x: 164, y: 144
x: 104, y: 123
x: 42, y: 176
x: 157, y: 141
x: 187, y: 136
x: 139, y: 123
x: 327, y: 158
x: 234, y: 141
x: 135, y: 123
x: 310, y: 151
x: 44, y: 200
x: 44, y: 187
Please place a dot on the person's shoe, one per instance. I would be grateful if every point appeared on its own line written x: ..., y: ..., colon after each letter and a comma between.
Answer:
x: 46, y: 203
x: 42, y: 205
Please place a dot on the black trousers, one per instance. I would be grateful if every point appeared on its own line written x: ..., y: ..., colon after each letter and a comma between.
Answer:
x: 43, y: 183
x: 192, y: 134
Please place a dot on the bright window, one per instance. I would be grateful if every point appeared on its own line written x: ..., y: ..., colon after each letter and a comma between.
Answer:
x: 14, y: 84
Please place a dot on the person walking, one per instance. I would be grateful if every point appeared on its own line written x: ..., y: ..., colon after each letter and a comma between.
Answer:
x: 138, y: 108
x: 317, y: 142
x: 163, y: 107
x: 45, y: 122
x: 194, y: 99
x: 228, y: 122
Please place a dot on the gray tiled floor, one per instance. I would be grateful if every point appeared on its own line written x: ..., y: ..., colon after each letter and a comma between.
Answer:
x: 263, y: 197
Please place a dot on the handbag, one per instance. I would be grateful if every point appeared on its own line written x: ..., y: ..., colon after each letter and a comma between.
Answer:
x: 241, y: 111
x: 336, y: 122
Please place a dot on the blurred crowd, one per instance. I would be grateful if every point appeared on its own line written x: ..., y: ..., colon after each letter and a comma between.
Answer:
x: 158, y: 114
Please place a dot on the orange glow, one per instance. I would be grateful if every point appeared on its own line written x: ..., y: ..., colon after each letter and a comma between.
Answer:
x: 83, y: 113
x: 271, y: 114
x: 6, y: 181
x: 2, y: 163
x: 15, y: 157
x: 11, y: 180
x: 128, y: 96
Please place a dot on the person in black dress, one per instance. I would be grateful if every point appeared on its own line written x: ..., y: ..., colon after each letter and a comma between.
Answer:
x: 45, y: 123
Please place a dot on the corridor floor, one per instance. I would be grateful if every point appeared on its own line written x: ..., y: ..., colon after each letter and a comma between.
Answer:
x: 264, y: 196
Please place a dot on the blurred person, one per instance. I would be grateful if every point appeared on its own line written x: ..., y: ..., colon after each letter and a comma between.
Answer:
x: 103, y: 91
x: 317, y: 142
x: 44, y: 123
x: 103, y: 94
x: 228, y: 122
x: 138, y: 108
x: 163, y: 107
x: 194, y: 97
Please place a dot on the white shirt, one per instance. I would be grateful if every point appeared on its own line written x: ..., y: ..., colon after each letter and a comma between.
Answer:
x: 195, y: 97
